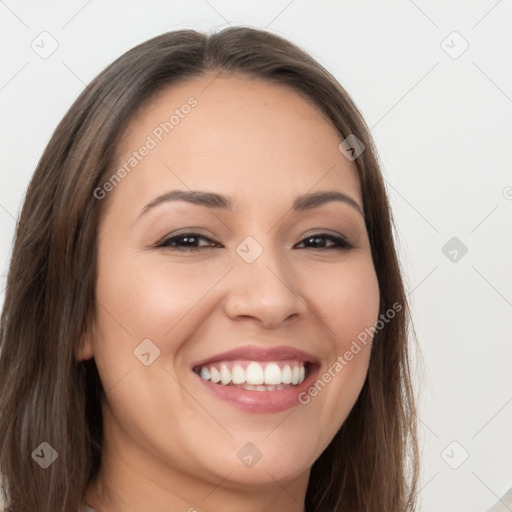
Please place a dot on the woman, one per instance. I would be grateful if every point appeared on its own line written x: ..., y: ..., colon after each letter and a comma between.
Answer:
x: 204, y: 308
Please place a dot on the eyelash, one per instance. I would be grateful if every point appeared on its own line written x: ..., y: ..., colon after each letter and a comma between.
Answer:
x: 340, y: 242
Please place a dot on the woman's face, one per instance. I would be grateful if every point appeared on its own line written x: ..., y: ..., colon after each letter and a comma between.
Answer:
x: 255, y: 292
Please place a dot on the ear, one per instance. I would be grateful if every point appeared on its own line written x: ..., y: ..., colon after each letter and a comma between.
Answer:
x: 84, y: 350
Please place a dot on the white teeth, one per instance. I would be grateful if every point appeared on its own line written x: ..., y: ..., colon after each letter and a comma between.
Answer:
x: 225, y: 375
x: 263, y: 388
x: 287, y: 374
x: 295, y: 375
x: 214, y: 374
x: 272, y: 374
x: 237, y: 374
x: 253, y: 388
x: 256, y: 376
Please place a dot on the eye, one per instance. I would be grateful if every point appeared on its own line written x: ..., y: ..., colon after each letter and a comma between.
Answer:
x: 190, y: 242
x: 187, y: 242
x: 339, y: 242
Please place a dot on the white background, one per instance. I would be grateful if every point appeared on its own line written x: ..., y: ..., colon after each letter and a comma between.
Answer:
x: 442, y: 126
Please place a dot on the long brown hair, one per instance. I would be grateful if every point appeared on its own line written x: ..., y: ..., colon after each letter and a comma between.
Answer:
x: 46, y: 395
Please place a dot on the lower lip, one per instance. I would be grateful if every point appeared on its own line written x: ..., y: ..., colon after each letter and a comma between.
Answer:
x: 260, y: 401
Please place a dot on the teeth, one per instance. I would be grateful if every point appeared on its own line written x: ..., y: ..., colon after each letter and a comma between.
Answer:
x: 237, y: 374
x: 225, y: 376
x: 286, y: 374
x: 295, y: 375
x: 273, y: 374
x: 263, y: 388
x: 214, y: 374
x: 254, y: 376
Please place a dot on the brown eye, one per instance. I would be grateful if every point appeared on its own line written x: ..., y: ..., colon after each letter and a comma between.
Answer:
x: 187, y: 241
x: 319, y: 240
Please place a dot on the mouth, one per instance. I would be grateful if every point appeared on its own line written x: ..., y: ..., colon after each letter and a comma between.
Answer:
x: 256, y: 375
x: 256, y: 379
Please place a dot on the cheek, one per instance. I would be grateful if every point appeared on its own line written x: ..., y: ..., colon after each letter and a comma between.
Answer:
x: 149, y: 297
x: 346, y: 298
x: 348, y: 304
x: 140, y: 298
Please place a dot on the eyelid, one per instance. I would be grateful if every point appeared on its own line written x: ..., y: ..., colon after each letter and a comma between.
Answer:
x: 341, y: 242
x: 326, y: 233
x: 167, y: 239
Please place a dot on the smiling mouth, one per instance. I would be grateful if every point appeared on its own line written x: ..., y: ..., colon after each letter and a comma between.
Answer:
x: 256, y: 375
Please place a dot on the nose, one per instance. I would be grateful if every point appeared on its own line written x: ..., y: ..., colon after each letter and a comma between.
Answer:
x: 264, y: 290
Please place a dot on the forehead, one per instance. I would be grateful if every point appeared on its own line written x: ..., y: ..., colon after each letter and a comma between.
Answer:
x: 249, y: 138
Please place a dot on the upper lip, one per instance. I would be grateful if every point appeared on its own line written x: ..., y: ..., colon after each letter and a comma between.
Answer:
x: 255, y: 353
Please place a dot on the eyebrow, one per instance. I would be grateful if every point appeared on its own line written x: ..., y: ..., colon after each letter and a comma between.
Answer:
x: 218, y: 201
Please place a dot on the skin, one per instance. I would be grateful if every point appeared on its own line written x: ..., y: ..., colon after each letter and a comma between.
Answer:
x: 169, y: 444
